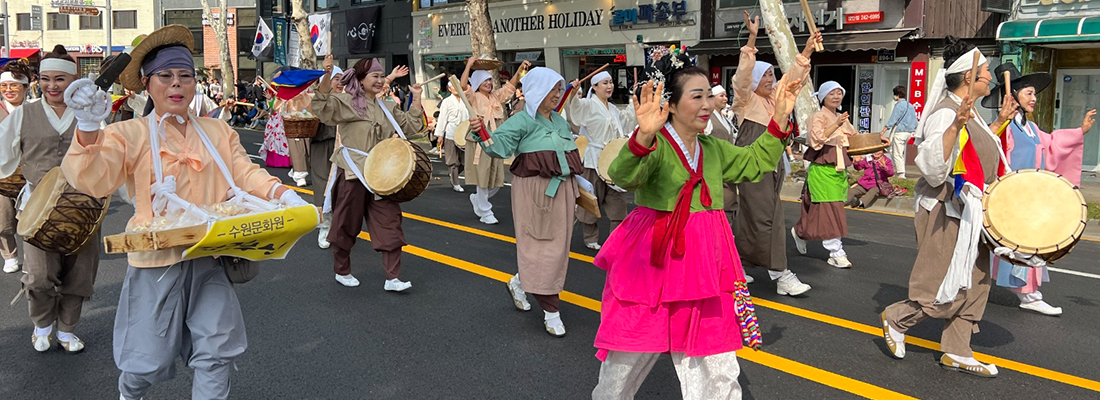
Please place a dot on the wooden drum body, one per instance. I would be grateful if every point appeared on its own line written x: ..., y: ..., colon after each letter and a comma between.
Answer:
x: 1034, y: 212
x: 58, y: 217
x: 607, y: 155
x: 12, y: 185
x: 397, y: 170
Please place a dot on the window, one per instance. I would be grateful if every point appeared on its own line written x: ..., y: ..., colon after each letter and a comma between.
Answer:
x: 321, y: 4
x: 88, y: 65
x: 426, y: 3
x: 124, y: 19
x: 744, y: 3
x: 57, y: 22
x: 23, y: 21
x: 246, y: 37
x: 95, y: 22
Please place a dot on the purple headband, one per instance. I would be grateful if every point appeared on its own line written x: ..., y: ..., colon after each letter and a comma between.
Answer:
x: 171, y: 57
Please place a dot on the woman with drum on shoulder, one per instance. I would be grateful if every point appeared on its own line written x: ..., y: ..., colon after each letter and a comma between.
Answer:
x: 544, y: 191
x: 167, y: 308
x: 674, y: 280
x: 600, y: 121
x: 950, y: 278
x: 15, y: 80
x: 484, y: 171
x: 36, y: 136
x: 1028, y: 147
x: 362, y: 123
x: 827, y: 178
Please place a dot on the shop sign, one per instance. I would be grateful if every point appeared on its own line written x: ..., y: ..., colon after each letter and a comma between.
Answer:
x: 86, y: 49
x: 592, y: 52
x: 864, y: 17
x: 886, y: 55
x: 660, y: 15
x: 531, y: 56
x: 566, y: 20
x: 823, y: 18
x: 715, y: 76
x: 78, y: 10
x: 362, y: 23
x: 917, y: 85
x: 72, y: 3
x: 619, y: 58
x: 866, y: 88
x: 26, y: 44
x: 279, y: 28
x: 228, y: 19
x: 446, y: 58
x: 424, y: 34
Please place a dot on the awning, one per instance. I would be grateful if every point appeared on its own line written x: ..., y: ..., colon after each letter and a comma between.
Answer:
x: 1054, y: 30
x: 853, y: 41
x: 24, y: 53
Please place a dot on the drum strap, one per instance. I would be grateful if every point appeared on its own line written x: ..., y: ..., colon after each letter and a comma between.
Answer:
x: 389, y: 116
x: 346, y: 151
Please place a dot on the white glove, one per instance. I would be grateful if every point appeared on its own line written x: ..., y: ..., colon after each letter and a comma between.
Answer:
x: 90, y: 104
x: 585, y: 184
x: 291, y: 199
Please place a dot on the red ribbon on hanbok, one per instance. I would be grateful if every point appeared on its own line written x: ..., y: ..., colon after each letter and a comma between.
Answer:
x: 669, y: 228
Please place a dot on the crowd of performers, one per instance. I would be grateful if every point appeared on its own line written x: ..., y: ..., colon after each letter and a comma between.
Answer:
x: 675, y: 277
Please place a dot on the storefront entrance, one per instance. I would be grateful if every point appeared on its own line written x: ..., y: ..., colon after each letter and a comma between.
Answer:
x: 1076, y: 94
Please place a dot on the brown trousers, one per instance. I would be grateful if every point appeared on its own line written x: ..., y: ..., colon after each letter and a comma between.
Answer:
x: 299, y: 154
x: 549, y: 302
x: 866, y: 196
x: 354, y: 204
x: 57, y: 285
x: 454, y: 156
x: 612, y: 201
x: 955, y: 338
x: 8, y: 246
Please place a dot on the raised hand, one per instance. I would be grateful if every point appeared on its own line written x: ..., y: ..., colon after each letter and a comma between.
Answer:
x: 1008, y: 107
x: 525, y: 65
x: 651, y: 114
x: 475, y: 124
x: 416, y: 90
x: 1090, y: 118
x: 470, y: 61
x: 811, y: 44
x: 752, y: 24
x: 328, y: 63
x: 962, y: 115
x: 398, y: 72
x: 784, y: 103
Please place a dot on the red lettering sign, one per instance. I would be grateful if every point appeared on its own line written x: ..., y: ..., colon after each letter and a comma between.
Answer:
x: 863, y: 17
x: 715, y: 76
x: 620, y: 58
x: 918, y: 84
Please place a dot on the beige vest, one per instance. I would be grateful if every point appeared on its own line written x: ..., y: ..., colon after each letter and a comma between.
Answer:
x: 985, y: 146
x: 43, y: 147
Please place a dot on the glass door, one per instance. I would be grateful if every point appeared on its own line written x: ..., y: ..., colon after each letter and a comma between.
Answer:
x: 1078, y: 90
x: 887, y: 77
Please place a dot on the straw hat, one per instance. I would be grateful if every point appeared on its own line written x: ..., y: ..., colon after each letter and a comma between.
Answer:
x: 168, y: 35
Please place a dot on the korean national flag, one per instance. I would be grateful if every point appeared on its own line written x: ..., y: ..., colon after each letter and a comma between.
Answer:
x: 263, y: 38
x: 319, y: 26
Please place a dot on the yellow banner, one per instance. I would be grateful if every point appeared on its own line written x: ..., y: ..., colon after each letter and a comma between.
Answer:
x: 262, y: 236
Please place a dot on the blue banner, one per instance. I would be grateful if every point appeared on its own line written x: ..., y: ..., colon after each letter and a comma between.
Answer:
x: 280, y: 29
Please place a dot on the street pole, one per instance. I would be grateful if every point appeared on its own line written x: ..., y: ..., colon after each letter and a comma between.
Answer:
x: 109, y: 18
x: 7, y: 34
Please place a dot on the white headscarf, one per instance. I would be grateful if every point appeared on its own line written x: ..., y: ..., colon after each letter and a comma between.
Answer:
x: 335, y: 70
x: 758, y: 72
x: 537, y: 85
x: 57, y: 64
x: 939, y: 85
x: 7, y: 76
x: 595, y: 80
x: 826, y: 88
x: 717, y: 90
x: 479, y: 77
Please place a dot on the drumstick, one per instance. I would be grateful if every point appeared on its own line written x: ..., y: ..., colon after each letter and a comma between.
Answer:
x: 598, y: 70
x: 437, y: 77
x: 567, y: 97
x: 482, y: 132
x: 1008, y: 82
x: 239, y: 103
x: 974, y: 73
x: 812, y: 24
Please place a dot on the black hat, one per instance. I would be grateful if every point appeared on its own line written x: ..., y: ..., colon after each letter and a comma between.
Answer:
x: 1037, y: 80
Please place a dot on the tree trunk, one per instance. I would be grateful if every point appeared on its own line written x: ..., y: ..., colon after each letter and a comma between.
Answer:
x: 218, y: 26
x: 481, y: 29
x: 786, y: 51
x: 308, y: 59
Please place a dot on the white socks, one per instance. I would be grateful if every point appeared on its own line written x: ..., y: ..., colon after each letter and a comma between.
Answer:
x: 553, y: 318
x: 43, y: 331
x: 65, y: 336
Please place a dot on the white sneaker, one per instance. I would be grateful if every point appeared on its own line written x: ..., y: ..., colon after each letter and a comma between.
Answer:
x: 489, y: 220
x: 322, y: 240
x: 458, y: 188
x: 11, y: 265
x: 41, y: 343
x: 395, y: 285
x: 553, y: 324
x: 299, y: 181
x: 840, y: 262
x: 69, y: 342
x: 433, y: 151
x: 789, y: 285
x: 749, y: 279
x: 347, y: 280
x: 1040, y: 307
x: 593, y: 246
x: 799, y: 244
x: 519, y: 297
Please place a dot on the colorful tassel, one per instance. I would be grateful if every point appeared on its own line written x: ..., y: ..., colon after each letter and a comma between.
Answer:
x: 746, y: 315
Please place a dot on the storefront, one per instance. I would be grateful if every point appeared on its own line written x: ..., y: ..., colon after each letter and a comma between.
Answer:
x: 88, y: 57
x: 573, y: 38
x: 1060, y: 37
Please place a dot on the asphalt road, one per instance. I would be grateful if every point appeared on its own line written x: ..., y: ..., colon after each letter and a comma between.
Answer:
x: 456, y: 335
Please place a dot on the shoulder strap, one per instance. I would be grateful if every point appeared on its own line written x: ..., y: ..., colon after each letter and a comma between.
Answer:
x: 389, y: 116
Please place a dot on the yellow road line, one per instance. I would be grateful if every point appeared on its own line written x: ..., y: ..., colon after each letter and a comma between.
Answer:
x: 828, y: 319
x: 766, y: 359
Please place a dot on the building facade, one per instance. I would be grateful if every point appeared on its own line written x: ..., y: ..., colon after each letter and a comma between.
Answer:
x: 84, y: 37
x: 240, y: 32
x: 1059, y: 37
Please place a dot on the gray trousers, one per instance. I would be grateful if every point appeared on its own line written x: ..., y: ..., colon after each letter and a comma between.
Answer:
x: 711, y: 377
x: 8, y: 246
x: 188, y: 310
x: 614, y: 207
x: 57, y: 285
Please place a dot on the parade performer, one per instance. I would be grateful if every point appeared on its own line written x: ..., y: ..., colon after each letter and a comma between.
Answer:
x: 760, y: 231
x: 1028, y: 147
x: 826, y: 187
x: 674, y: 280
x: 483, y: 171
x: 15, y: 80
x: 451, y: 113
x: 36, y: 135
x: 321, y: 148
x: 722, y: 128
x: 544, y: 191
x: 600, y: 121
x: 167, y: 308
x: 297, y: 147
x: 958, y: 154
x: 362, y: 121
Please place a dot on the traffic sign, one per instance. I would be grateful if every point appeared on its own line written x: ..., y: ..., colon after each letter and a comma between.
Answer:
x: 78, y: 10
x: 36, y: 18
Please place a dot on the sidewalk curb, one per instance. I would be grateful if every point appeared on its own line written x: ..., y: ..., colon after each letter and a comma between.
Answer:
x: 906, y: 206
